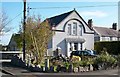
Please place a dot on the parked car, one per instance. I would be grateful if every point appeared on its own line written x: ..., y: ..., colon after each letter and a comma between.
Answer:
x: 92, y: 52
x: 83, y: 53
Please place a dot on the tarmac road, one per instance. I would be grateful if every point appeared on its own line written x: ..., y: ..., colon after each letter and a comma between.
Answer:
x: 19, y: 72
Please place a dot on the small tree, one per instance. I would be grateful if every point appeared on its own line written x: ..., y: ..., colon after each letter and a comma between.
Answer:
x: 4, y: 21
x: 37, y: 36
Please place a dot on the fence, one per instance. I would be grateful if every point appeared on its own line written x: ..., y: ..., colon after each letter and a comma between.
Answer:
x: 5, y: 56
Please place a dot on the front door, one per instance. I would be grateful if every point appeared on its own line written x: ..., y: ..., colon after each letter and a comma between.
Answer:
x: 75, y: 46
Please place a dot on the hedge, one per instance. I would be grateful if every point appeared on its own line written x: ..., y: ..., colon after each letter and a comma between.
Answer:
x: 113, y: 47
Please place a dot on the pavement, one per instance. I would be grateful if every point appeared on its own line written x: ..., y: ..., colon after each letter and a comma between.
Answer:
x: 10, y: 71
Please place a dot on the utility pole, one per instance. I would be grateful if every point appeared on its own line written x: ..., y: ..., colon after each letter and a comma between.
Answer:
x: 24, y: 26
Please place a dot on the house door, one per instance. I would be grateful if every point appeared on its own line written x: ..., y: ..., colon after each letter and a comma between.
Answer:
x: 75, y: 46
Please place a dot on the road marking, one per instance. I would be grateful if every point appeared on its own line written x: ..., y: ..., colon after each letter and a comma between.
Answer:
x: 114, y: 74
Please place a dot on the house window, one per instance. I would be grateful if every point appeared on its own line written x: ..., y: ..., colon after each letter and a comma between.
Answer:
x: 80, y: 30
x: 74, y: 28
x: 69, y: 29
x: 103, y: 38
x: 110, y: 38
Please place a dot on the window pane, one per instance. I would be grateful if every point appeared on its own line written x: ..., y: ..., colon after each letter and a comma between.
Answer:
x: 80, y: 30
x: 69, y: 29
x: 74, y: 28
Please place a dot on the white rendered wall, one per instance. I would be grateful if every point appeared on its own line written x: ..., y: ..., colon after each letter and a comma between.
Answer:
x: 58, y: 39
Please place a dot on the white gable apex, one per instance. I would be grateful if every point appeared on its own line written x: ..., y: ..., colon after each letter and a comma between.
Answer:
x: 73, y: 16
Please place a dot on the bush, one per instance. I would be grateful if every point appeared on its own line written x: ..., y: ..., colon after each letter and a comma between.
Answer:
x: 66, y: 64
x: 86, y: 62
x: 113, y: 47
x: 76, y: 64
x: 105, y: 59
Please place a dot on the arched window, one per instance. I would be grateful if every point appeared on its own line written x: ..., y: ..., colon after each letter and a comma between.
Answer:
x: 69, y: 29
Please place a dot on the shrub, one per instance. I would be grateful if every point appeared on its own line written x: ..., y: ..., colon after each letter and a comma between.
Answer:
x: 113, y: 47
x: 106, y: 59
x: 76, y: 64
x: 66, y: 64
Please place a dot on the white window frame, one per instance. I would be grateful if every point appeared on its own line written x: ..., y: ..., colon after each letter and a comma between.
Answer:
x: 74, y: 28
x: 80, y: 32
x: 69, y: 29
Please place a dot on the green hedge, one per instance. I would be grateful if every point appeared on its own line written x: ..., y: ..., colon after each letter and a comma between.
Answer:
x: 113, y: 47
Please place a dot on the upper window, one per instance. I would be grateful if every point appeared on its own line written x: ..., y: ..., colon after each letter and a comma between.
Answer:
x: 69, y: 29
x: 74, y: 28
x: 80, y: 30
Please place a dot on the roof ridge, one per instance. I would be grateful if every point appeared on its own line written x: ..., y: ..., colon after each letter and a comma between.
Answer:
x: 55, y: 20
x: 104, y: 31
x: 60, y: 14
x: 104, y: 28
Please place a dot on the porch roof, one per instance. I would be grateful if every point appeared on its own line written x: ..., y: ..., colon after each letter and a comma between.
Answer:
x: 75, y: 39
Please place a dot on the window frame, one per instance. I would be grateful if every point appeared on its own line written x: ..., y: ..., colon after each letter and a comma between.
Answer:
x: 69, y: 29
x: 80, y: 31
x: 74, y: 31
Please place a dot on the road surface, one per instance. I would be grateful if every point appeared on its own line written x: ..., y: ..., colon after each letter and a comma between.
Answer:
x: 13, y: 71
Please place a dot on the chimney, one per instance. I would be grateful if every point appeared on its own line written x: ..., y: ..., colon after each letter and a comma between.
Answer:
x: 90, y: 23
x: 114, y: 26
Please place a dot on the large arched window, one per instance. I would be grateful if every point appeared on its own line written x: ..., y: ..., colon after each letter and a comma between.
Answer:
x: 74, y: 27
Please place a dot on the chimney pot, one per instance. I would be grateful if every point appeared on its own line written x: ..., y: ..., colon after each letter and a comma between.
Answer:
x: 114, y: 26
x: 90, y: 23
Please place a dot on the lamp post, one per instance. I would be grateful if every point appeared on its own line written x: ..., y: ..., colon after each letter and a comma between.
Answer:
x: 24, y: 23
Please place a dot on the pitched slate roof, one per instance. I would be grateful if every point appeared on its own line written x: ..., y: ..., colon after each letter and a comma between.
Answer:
x: 102, y: 31
x: 57, y: 19
x: 54, y: 21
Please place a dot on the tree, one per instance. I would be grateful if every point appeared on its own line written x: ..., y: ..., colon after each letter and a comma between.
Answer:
x: 37, y: 36
x: 4, y: 21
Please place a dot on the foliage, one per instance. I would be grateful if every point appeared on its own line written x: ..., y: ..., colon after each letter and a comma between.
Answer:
x: 58, y: 62
x: 55, y: 68
x: 76, y: 64
x: 105, y: 58
x: 18, y: 39
x: 113, y: 47
x: 66, y: 64
x: 83, y: 63
x: 86, y: 62
x: 37, y: 36
x: 118, y: 58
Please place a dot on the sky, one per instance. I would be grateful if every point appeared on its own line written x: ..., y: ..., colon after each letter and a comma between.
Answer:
x: 103, y: 14
x: 100, y: 14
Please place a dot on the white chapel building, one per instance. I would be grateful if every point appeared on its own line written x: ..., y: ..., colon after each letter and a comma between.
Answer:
x: 71, y: 32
